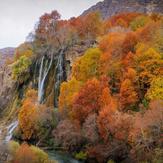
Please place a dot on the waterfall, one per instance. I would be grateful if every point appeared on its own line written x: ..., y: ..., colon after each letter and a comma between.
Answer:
x: 59, y: 75
x: 43, y: 73
x: 45, y: 67
x: 10, y: 130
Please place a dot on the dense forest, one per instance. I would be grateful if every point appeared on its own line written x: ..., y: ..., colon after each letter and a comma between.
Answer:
x: 90, y: 87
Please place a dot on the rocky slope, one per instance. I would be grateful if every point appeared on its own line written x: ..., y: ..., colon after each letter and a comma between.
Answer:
x: 109, y: 8
x: 6, y: 53
x: 6, y: 82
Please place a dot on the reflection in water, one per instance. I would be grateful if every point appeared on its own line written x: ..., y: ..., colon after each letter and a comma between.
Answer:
x: 61, y: 158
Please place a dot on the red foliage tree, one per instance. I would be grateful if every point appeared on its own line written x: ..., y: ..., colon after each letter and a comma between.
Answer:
x: 89, y: 26
x: 90, y: 129
x: 68, y: 135
x: 105, y: 118
x: 90, y: 98
x: 130, y: 42
x: 146, y: 135
x: 86, y: 101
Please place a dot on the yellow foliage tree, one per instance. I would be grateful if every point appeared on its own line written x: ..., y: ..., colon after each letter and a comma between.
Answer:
x: 148, y: 65
x: 155, y: 92
x: 24, y: 49
x: 128, y: 95
x: 87, y: 66
x: 67, y: 91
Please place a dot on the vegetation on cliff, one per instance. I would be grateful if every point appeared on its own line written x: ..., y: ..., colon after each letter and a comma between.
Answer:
x: 110, y: 107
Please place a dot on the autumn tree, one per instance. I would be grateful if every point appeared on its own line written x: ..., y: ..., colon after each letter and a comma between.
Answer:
x: 131, y: 74
x: 90, y: 26
x: 128, y: 96
x: 20, y: 70
x: 105, y: 97
x: 155, y: 91
x: 53, y: 35
x: 67, y: 92
x: 28, y: 115
x: 90, y: 129
x: 129, y: 43
x: 113, y: 42
x: 128, y: 60
x: 111, y: 59
x: 46, y: 120
x: 47, y: 22
x: 105, y: 118
x: 86, y: 101
x: 139, y: 22
x: 90, y: 99
x: 24, y: 155
x: 24, y: 49
x: 146, y: 135
x: 122, y: 19
x: 86, y: 67
x: 68, y: 135
x: 35, y: 121
x: 148, y: 65
x: 112, y: 68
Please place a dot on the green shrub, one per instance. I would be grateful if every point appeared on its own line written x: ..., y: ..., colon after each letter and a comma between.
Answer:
x: 139, y: 22
x: 20, y: 71
x: 145, y: 103
x: 158, y: 156
x: 13, y: 147
x: 41, y: 156
x: 111, y: 161
x: 81, y: 156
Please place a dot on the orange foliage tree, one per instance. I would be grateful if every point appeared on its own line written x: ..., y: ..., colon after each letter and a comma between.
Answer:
x: 128, y: 96
x: 89, y: 26
x: 24, y: 155
x: 117, y: 20
x: 130, y: 42
x: 28, y: 115
x: 105, y: 119
x: 112, y: 42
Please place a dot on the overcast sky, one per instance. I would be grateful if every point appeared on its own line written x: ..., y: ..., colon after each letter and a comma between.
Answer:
x: 18, y: 17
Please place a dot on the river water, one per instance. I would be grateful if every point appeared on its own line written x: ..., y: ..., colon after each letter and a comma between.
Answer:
x: 61, y: 157
x: 6, y: 135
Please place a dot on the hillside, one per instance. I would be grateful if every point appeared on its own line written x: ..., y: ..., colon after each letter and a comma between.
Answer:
x: 87, y: 89
x: 109, y: 8
x: 6, y: 53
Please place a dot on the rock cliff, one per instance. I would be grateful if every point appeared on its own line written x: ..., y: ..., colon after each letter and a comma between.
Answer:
x: 6, y: 53
x: 6, y: 82
x: 108, y: 8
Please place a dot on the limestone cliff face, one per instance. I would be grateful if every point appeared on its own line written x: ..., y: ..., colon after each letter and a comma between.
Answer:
x: 76, y: 51
x: 6, y: 82
x: 6, y: 53
x: 109, y: 8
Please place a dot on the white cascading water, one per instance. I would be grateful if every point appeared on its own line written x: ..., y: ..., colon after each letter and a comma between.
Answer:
x: 10, y: 130
x: 44, y: 70
x: 59, y: 75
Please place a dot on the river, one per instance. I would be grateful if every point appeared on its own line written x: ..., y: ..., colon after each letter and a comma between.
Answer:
x: 6, y: 135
